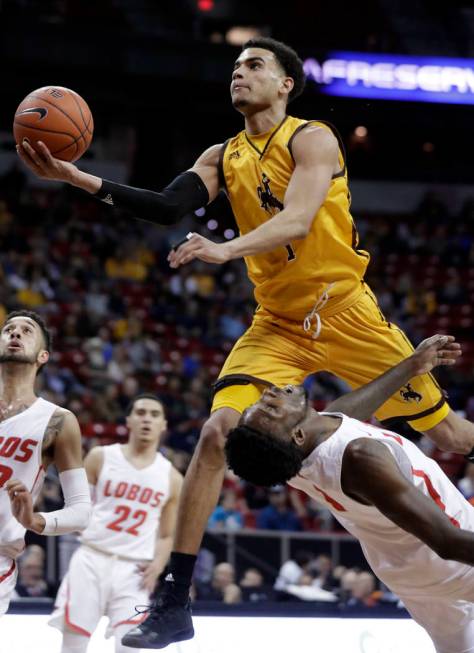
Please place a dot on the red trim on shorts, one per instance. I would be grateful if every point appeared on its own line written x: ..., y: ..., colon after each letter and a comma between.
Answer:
x: 9, y: 572
x: 335, y: 504
x: 73, y: 627
x: 134, y: 622
x: 434, y: 494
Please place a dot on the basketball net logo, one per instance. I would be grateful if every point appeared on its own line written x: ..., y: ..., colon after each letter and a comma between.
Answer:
x: 41, y: 110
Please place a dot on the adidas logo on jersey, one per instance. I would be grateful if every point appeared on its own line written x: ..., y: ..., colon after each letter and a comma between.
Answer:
x: 169, y: 578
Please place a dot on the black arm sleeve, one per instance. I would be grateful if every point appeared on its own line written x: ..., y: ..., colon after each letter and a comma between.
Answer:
x: 186, y: 193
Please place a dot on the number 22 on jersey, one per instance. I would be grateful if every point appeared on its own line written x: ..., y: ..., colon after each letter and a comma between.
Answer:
x: 137, y: 518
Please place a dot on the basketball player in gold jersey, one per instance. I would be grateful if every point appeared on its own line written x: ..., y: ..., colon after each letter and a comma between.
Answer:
x: 286, y: 180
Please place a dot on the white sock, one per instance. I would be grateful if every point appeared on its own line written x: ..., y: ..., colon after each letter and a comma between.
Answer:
x: 74, y: 642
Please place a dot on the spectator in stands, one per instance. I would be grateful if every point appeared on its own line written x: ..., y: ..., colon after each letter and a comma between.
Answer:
x: 253, y: 587
x: 364, y: 593
x: 347, y: 583
x: 324, y: 569
x: 227, y: 514
x: 292, y: 570
x: 31, y: 582
x: 222, y: 586
x: 278, y: 516
x: 466, y: 484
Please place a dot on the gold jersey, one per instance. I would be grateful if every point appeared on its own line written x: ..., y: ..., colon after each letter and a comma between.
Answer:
x: 322, y: 272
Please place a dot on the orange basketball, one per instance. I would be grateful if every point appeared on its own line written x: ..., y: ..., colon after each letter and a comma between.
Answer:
x: 59, y: 118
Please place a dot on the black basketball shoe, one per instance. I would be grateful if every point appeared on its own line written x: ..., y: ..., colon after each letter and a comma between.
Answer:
x: 167, y: 622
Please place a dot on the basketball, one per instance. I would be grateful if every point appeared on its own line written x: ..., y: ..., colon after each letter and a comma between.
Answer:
x: 58, y: 117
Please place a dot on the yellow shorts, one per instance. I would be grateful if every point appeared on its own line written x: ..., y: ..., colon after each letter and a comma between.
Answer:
x: 357, y: 345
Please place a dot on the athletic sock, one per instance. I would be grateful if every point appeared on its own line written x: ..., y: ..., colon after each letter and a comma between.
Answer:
x: 179, y: 574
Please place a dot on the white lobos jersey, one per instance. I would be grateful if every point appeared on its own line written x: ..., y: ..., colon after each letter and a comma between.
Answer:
x: 402, y: 561
x: 21, y: 440
x: 127, y: 505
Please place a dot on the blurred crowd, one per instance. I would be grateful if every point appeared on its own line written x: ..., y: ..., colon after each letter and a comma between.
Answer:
x: 124, y: 322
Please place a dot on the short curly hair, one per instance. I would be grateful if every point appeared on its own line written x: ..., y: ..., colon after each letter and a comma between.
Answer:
x: 286, y: 57
x: 47, y: 337
x: 261, y: 458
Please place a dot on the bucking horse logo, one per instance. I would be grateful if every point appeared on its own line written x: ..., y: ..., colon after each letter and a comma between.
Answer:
x: 268, y: 201
x: 409, y: 394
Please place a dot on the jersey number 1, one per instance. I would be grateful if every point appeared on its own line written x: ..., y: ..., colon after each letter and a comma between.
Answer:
x: 291, y: 254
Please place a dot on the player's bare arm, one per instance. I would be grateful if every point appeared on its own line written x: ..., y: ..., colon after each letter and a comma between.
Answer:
x: 61, y: 446
x: 371, y: 476
x: 365, y: 401
x: 315, y: 151
x: 165, y: 533
x: 93, y: 463
x: 189, y: 191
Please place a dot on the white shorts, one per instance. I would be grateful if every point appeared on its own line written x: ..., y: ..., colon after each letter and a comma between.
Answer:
x: 8, y: 574
x: 98, y: 584
x: 449, y: 622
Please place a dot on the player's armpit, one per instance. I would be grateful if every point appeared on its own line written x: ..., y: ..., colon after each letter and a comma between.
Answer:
x: 371, y: 476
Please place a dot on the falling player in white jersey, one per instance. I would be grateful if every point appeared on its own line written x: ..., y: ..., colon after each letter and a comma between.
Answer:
x: 414, y: 526
x: 33, y: 434
x: 135, y: 493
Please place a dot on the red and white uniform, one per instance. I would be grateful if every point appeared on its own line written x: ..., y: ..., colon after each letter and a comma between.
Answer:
x: 21, y: 440
x: 103, y: 578
x: 438, y: 593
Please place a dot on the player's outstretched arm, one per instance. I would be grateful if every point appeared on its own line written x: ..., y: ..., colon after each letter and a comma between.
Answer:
x: 364, y: 402
x: 63, y: 437
x: 315, y: 152
x: 165, y: 534
x: 189, y: 191
x: 371, y: 476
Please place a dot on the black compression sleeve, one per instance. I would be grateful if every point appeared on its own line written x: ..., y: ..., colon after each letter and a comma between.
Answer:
x: 186, y: 193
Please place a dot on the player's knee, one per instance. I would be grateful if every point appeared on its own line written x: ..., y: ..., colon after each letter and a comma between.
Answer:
x: 453, y: 434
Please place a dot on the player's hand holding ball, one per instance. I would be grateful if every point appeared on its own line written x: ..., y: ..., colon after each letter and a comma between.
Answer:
x: 43, y: 164
x: 22, y: 506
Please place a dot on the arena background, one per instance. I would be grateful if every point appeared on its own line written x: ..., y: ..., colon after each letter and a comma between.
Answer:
x: 156, y: 76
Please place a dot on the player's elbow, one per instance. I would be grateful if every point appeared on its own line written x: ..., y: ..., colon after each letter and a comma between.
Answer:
x: 300, y: 228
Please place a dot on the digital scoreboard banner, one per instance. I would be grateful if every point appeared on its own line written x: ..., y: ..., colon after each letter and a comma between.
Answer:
x: 394, y: 77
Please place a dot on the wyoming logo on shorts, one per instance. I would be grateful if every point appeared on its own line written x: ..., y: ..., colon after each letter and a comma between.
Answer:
x: 268, y: 201
x: 409, y: 394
